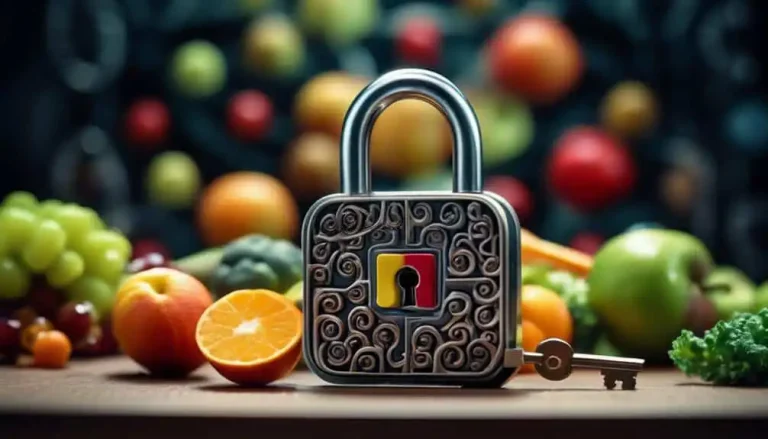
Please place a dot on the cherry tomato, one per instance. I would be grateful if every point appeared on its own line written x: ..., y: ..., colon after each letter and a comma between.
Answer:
x: 52, y: 350
x: 249, y: 115
x: 420, y: 42
x: 147, y: 122
x: 587, y: 242
x: 515, y: 192
x: 590, y: 170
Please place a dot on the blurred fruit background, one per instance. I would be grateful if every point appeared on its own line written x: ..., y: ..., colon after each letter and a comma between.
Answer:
x: 182, y: 125
x: 597, y: 115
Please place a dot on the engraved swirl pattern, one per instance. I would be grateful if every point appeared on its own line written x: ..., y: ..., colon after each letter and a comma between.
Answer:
x: 349, y: 335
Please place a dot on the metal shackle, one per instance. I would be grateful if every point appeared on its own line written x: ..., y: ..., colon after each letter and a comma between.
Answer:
x: 401, y: 84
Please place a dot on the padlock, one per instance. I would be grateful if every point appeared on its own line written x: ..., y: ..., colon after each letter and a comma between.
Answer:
x: 411, y: 288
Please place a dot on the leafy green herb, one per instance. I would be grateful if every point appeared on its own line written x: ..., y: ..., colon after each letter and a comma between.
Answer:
x: 733, y: 352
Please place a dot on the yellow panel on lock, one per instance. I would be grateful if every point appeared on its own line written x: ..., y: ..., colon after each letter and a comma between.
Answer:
x: 387, y: 291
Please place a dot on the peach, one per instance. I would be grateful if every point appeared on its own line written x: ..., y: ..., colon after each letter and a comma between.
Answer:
x: 154, y: 320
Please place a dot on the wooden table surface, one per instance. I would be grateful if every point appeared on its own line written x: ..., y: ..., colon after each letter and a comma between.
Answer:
x: 114, y: 390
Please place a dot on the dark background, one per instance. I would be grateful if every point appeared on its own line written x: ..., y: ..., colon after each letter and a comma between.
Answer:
x: 709, y: 77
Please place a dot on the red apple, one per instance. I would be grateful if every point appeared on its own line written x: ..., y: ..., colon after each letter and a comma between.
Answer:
x: 536, y: 57
x: 587, y: 242
x: 515, y: 192
x: 589, y: 169
x: 154, y: 320
x: 147, y: 122
x: 419, y: 41
x: 249, y: 115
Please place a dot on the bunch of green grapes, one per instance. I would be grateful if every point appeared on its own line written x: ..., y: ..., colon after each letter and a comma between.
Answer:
x: 67, y: 244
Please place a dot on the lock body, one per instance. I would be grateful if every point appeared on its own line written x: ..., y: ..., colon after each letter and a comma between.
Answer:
x: 411, y: 288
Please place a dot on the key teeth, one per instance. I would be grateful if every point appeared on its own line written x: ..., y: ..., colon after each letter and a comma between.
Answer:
x: 629, y: 384
x: 628, y: 381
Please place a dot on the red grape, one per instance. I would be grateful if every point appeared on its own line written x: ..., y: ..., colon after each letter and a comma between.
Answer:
x: 99, y: 342
x: 8, y: 307
x: 108, y: 344
x: 249, y: 115
x: 10, y: 335
x: 26, y: 316
x: 75, y: 320
x: 152, y: 260
x: 144, y: 247
x: 44, y: 299
x: 89, y: 346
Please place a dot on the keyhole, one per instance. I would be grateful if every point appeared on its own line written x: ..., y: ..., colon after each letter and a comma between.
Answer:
x: 407, y: 279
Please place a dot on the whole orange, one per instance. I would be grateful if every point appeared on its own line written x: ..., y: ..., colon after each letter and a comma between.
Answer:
x: 535, y: 57
x: 244, y: 203
x: 411, y: 136
x: 547, y: 310
x: 323, y: 101
x: 154, y: 320
x: 311, y: 165
x: 531, y: 336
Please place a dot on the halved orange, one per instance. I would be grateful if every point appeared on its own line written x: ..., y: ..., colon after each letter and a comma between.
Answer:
x: 251, y: 337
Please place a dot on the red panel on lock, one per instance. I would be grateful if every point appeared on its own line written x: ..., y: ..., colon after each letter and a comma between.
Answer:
x: 426, y: 291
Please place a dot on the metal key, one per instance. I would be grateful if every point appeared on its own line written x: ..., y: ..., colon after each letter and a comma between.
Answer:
x: 554, y: 360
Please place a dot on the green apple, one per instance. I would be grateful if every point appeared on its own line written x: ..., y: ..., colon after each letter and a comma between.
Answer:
x: 761, y: 297
x: 173, y: 180
x: 730, y: 291
x: 250, y: 6
x: 273, y: 46
x: 507, y: 128
x: 534, y: 274
x: 339, y: 22
x: 441, y: 180
x: 603, y: 346
x: 198, y: 69
x: 296, y: 294
x: 641, y: 285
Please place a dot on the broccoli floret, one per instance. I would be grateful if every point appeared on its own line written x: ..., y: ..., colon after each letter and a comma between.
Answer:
x: 733, y: 352
x: 257, y: 261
